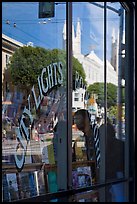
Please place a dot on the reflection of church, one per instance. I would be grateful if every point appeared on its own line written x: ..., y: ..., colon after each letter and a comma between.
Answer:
x: 92, y: 64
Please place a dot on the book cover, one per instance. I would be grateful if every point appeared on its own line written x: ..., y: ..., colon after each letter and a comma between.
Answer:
x: 51, y: 157
x: 78, y: 151
x: 52, y: 181
x: 84, y: 176
x: 75, y: 182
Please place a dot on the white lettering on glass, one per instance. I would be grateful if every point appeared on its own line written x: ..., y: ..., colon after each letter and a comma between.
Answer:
x: 50, y: 76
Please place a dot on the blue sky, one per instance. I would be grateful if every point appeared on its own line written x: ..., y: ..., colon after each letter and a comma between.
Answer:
x: 28, y: 28
x: 49, y: 35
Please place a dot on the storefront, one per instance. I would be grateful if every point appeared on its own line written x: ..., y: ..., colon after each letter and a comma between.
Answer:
x: 61, y: 60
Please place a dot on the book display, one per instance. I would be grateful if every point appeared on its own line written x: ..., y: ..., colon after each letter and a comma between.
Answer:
x: 82, y: 177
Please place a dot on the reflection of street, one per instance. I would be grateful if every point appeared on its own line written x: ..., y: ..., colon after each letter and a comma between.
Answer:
x: 76, y: 134
x: 78, y: 145
x: 55, y: 109
x: 9, y: 145
x: 33, y: 147
x: 122, y: 131
x: 46, y: 136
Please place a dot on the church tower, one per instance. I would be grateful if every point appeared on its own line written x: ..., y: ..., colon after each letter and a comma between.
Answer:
x: 64, y: 36
x: 76, y: 39
x: 114, y: 50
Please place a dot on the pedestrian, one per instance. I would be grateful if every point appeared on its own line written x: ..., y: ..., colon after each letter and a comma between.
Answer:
x: 112, y: 152
x: 82, y: 121
x: 103, y: 147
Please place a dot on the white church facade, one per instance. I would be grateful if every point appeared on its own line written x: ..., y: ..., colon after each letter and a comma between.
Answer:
x: 92, y: 64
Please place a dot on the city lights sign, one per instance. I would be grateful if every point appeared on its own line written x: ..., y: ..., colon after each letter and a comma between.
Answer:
x: 50, y: 77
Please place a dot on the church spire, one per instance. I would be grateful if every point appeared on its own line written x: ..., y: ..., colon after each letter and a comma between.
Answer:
x: 64, y: 36
x: 73, y: 33
x: 64, y: 31
x: 78, y: 30
x: 114, y: 49
x: 77, y: 39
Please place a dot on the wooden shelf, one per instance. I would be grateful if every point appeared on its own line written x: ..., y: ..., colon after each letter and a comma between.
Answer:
x: 10, y: 168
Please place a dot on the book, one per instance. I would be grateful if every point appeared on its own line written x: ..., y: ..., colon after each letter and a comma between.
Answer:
x: 85, y: 177
x: 51, y: 157
x: 52, y: 182
x: 75, y: 183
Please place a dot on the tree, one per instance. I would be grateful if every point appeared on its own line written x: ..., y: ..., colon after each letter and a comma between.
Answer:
x: 112, y: 112
x: 25, y: 66
x: 111, y: 94
x: 77, y: 67
x: 98, y: 89
x: 27, y: 63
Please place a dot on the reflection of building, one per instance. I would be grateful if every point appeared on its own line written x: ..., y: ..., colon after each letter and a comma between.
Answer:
x: 92, y: 64
x: 9, y: 46
x: 78, y: 96
x: 114, y: 51
x: 92, y: 106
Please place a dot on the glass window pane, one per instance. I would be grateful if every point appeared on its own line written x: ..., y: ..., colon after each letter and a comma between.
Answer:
x: 33, y: 99
x: 115, y: 93
x: 88, y: 81
x: 116, y: 193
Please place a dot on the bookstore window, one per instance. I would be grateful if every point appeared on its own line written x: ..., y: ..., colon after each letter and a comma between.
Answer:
x: 67, y: 102
x: 89, y: 52
x: 35, y: 108
x: 99, y: 129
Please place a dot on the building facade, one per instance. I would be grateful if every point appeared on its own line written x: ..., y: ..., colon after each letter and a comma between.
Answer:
x: 9, y: 45
x: 92, y: 64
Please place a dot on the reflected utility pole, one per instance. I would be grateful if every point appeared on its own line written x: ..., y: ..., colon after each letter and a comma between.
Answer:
x: 120, y: 75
